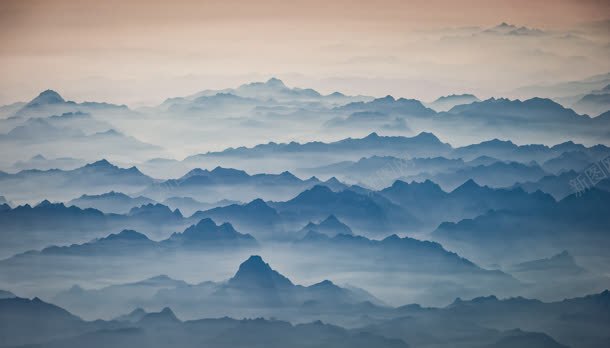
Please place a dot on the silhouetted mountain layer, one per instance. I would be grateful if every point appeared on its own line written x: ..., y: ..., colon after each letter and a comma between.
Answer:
x: 57, y: 328
x: 559, y: 185
x: 445, y: 103
x: 429, y: 203
x: 26, y: 227
x: 49, y: 103
x: 205, y: 235
x: 561, y: 264
x: 480, y: 322
x: 255, y: 288
x: 61, y: 184
x: 111, y: 202
x: 364, y: 213
x: 225, y: 183
x: 578, y: 222
x: 417, y: 146
x: 330, y: 226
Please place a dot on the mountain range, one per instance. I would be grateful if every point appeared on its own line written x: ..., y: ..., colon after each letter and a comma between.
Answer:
x: 63, y: 329
x: 232, y: 184
x: 49, y: 103
x: 255, y: 287
x: 100, y: 176
x: 545, y: 228
x: 480, y: 322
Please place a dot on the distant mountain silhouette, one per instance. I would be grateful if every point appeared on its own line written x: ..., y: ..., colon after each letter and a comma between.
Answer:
x: 429, y: 203
x: 567, y: 161
x: 595, y: 103
x: 111, y: 202
x: 133, y: 316
x: 513, y: 30
x: 205, y: 235
x: 255, y: 273
x: 381, y: 171
x: 228, y: 183
x: 162, y: 319
x: 49, y: 103
x: 498, y: 174
x: 506, y: 150
x: 405, y: 254
x: 111, y: 298
x: 157, y: 213
x: 445, y: 103
x: 559, y: 185
x: 46, y: 97
x: 464, y: 323
x: 361, y: 212
x: 58, y: 328
x: 389, y: 105
x: 559, y: 264
x: 270, y: 92
x: 544, y: 228
x: 207, y: 232
x: 42, y: 163
x: 256, y: 216
x: 330, y: 226
x: 422, y: 144
x: 254, y: 285
x: 65, y: 183
x: 536, y: 109
x: 188, y: 206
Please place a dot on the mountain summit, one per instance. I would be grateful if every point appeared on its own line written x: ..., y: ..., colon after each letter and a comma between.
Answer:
x: 47, y: 97
x: 275, y: 82
x: 255, y: 273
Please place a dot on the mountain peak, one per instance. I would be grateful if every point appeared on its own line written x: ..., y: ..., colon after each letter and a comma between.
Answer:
x: 325, y: 284
x: 427, y: 136
x: 166, y: 316
x: 126, y: 235
x: 275, y: 82
x: 167, y: 311
x: 468, y: 186
x: 206, y: 227
x: 258, y: 203
x: 318, y: 193
x: 207, y: 230
x: 256, y: 273
x: 44, y: 203
x: 227, y: 171
x: 47, y: 97
x: 255, y: 261
x: 103, y: 163
x: 331, y: 219
x: 331, y: 226
x: 414, y: 188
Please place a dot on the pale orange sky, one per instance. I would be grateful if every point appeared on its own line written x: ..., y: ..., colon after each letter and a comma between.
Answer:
x: 139, y: 52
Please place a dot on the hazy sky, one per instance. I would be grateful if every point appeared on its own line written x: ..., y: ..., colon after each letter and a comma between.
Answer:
x: 139, y: 52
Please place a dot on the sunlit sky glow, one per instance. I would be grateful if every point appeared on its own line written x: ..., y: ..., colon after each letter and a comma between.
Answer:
x: 140, y: 52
